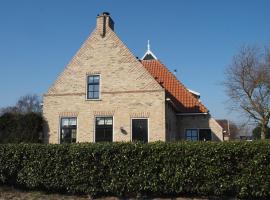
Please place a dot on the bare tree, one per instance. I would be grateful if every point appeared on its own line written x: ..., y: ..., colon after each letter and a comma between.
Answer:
x: 25, y: 104
x: 248, y: 84
x: 234, y: 130
x: 29, y: 103
x: 9, y: 109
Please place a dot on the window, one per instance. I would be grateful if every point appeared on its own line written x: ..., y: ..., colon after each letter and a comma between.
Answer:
x: 192, y: 134
x: 205, y: 134
x: 198, y: 134
x: 104, y: 129
x: 93, y: 87
x: 140, y: 130
x: 68, y: 130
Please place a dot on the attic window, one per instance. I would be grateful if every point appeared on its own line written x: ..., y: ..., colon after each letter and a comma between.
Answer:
x: 93, y: 87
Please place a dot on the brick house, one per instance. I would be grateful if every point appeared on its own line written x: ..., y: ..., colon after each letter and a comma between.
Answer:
x: 105, y: 93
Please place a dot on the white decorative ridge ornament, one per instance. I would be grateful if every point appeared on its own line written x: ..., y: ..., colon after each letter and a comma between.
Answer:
x: 149, y: 52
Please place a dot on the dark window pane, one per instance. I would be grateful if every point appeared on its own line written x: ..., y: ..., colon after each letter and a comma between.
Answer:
x: 104, y: 129
x: 108, y: 121
x: 90, y: 79
x: 68, y: 130
x: 96, y: 88
x: 96, y: 95
x: 140, y: 130
x: 96, y: 79
x: 205, y: 134
x: 100, y: 120
x: 188, y: 133
x: 93, y: 87
x: 192, y: 134
x: 90, y: 95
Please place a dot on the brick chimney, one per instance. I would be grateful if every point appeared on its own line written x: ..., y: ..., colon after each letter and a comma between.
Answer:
x: 104, y: 22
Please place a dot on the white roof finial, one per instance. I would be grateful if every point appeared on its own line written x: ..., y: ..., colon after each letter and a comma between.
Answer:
x: 149, y: 52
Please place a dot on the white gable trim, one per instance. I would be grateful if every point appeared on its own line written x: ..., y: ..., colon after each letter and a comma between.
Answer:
x: 149, y: 51
x: 194, y: 92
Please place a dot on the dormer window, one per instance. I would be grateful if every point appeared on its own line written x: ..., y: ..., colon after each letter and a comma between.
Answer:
x: 93, y: 87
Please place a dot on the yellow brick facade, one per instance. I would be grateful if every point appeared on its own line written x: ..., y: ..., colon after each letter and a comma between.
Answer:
x: 127, y: 91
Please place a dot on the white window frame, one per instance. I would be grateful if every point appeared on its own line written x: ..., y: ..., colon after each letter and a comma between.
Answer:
x: 94, y: 135
x: 86, y: 88
x: 59, y: 127
x: 148, y: 129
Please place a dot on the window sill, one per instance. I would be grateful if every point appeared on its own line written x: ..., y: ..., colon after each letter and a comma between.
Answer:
x: 93, y: 99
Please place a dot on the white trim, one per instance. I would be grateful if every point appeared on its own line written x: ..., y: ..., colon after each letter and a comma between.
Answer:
x: 113, y: 129
x: 86, y: 87
x: 77, y: 129
x: 148, y: 125
x: 149, y: 51
x: 94, y: 127
x: 194, y: 92
x: 187, y: 114
x: 59, y: 129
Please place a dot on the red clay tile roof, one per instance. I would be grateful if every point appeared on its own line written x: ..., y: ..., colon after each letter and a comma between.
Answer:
x: 185, y: 101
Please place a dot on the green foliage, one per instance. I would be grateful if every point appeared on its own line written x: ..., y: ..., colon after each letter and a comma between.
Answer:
x: 256, y: 133
x: 18, y: 128
x: 239, y: 169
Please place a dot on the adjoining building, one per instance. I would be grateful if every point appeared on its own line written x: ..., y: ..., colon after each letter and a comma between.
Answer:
x: 107, y: 94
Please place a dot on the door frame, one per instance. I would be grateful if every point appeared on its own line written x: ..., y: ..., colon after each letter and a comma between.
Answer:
x: 148, y: 133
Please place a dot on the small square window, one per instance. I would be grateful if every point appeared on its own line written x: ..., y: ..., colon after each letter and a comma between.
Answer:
x: 192, y: 134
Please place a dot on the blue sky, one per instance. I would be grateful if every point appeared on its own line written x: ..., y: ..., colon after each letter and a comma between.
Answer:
x: 198, y: 38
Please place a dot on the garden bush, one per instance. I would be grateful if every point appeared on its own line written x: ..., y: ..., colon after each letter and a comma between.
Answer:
x: 20, y: 128
x: 238, y: 169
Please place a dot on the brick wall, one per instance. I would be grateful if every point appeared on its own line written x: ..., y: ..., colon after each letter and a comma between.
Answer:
x: 127, y: 90
x: 172, y: 125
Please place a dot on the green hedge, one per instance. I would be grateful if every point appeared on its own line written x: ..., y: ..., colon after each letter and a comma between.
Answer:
x: 239, y: 169
x: 20, y: 128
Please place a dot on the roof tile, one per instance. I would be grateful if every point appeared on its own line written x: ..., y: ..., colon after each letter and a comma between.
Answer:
x: 179, y: 94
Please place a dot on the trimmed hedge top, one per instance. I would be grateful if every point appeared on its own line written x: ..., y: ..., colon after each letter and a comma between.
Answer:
x: 239, y: 169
